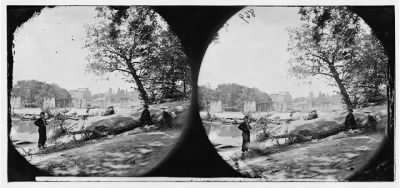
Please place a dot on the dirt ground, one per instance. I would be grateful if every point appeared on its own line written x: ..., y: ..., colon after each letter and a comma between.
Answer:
x: 129, y: 153
x: 120, y: 155
x: 329, y: 159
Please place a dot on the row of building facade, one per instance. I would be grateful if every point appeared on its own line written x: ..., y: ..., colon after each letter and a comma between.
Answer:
x: 82, y: 98
x: 283, y: 102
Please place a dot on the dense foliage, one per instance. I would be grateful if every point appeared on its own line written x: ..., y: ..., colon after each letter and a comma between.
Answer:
x: 335, y: 43
x: 138, y: 43
x: 232, y: 96
x: 33, y: 91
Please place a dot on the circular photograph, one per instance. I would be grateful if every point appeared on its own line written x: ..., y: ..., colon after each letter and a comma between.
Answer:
x: 294, y: 93
x: 97, y: 91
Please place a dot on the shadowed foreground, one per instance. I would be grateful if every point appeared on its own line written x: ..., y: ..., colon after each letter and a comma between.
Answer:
x: 129, y: 155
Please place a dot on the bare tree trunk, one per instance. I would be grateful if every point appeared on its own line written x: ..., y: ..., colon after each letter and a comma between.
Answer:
x: 142, y: 91
x: 376, y: 83
x: 343, y: 92
x: 184, y: 87
x: 188, y: 77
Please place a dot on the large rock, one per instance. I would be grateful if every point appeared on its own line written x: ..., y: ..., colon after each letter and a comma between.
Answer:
x: 114, y: 125
x: 319, y: 129
x: 333, y: 123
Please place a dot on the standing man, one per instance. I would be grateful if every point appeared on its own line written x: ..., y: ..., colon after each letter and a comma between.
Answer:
x: 371, y: 122
x: 86, y: 115
x: 350, y: 122
x: 245, y: 128
x: 145, y: 118
x: 166, y: 120
x: 41, y: 123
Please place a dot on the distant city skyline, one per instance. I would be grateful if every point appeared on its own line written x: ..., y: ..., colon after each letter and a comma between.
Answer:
x: 105, y: 90
x: 314, y: 93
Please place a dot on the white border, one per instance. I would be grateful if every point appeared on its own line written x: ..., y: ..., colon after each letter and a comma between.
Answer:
x: 172, y: 182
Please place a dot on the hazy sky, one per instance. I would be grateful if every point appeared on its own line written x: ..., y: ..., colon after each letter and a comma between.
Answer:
x: 255, y: 54
x: 49, y: 48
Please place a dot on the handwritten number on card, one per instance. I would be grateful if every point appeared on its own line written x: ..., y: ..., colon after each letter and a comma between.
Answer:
x: 250, y: 13
x: 241, y: 16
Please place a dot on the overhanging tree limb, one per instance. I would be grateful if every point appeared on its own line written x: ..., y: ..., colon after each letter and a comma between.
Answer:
x: 318, y: 56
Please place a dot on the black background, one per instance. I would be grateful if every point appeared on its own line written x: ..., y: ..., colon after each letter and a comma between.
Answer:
x: 194, y: 156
